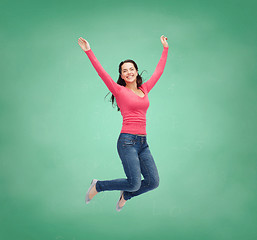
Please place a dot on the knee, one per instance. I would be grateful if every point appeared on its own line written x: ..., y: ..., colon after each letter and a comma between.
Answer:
x: 155, y: 183
x: 135, y: 185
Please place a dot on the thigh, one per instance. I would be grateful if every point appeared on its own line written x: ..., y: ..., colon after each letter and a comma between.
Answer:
x: 129, y: 157
x: 147, y: 164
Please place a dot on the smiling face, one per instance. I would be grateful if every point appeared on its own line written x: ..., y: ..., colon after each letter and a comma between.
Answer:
x: 128, y: 72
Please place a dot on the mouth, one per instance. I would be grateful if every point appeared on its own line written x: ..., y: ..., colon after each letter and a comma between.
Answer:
x: 129, y: 77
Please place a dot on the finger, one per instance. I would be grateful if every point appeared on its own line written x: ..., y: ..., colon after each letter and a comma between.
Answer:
x: 80, y: 42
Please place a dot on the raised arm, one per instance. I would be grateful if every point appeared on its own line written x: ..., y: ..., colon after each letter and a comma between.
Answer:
x: 149, y: 84
x: 111, y: 85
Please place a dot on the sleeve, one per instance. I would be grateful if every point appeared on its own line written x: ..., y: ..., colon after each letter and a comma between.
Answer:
x: 158, y: 71
x: 111, y: 85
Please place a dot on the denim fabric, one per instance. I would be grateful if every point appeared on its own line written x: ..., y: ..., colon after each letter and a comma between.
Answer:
x: 136, y: 159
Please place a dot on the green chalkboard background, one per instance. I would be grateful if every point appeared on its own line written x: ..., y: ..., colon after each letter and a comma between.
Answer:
x: 58, y: 132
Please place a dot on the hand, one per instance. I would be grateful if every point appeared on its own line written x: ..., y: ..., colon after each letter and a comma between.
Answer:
x: 84, y: 44
x: 164, y: 42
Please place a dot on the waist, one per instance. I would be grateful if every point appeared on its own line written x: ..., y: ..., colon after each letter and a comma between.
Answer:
x: 132, y: 136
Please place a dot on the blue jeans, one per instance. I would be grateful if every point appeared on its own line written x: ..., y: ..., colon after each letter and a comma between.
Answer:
x: 136, y: 159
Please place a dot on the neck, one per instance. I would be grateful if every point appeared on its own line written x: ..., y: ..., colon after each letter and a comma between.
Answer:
x: 132, y: 85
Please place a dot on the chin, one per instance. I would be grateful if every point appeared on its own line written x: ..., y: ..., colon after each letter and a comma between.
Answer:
x: 133, y: 80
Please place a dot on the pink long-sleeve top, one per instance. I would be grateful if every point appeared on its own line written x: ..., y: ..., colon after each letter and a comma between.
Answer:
x: 133, y: 108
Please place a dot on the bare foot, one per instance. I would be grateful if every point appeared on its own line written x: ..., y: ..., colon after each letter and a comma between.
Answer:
x: 92, y: 192
x: 122, y: 201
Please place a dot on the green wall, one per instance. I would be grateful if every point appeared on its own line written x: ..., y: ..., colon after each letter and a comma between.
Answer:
x: 57, y: 131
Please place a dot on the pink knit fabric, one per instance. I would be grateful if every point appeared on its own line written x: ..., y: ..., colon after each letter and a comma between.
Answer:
x: 132, y: 107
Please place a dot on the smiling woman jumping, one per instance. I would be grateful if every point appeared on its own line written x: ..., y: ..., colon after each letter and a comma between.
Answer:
x: 132, y: 101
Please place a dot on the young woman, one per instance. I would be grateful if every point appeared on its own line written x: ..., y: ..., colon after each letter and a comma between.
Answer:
x: 132, y: 100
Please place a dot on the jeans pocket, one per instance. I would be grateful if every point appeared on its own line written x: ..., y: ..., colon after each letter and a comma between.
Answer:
x: 128, y: 142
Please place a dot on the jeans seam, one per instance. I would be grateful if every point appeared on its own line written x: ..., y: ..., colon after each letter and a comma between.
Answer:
x: 130, y: 176
x: 147, y: 173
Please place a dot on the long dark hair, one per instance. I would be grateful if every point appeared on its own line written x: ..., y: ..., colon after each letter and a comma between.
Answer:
x: 123, y: 83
